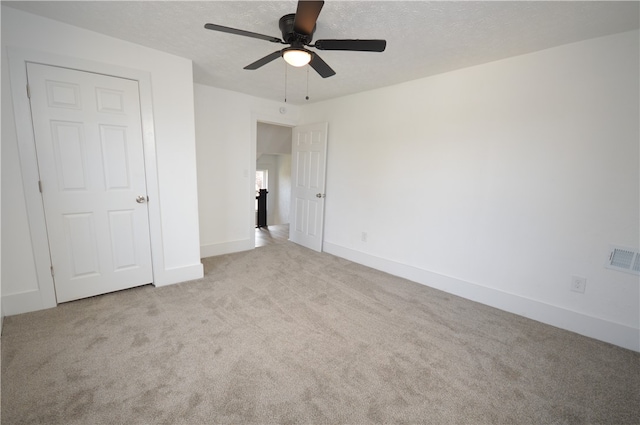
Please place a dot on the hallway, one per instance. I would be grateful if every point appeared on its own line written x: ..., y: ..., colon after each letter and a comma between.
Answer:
x: 272, y: 235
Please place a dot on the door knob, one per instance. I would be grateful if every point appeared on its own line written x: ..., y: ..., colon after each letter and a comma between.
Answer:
x: 319, y: 195
x: 141, y: 199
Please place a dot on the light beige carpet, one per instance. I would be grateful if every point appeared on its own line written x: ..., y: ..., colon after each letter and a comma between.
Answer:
x: 285, y: 335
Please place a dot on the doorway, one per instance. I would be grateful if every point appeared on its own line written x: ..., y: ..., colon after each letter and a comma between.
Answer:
x: 273, y: 172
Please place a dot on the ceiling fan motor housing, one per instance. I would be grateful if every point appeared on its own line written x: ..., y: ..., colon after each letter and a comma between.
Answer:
x: 289, y: 35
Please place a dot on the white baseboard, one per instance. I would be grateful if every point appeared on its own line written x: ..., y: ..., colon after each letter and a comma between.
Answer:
x: 593, y: 327
x: 179, y: 274
x: 29, y: 301
x: 24, y: 302
x: 215, y: 249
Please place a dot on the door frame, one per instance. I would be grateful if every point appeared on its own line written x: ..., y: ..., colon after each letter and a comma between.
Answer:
x: 44, y: 296
x: 256, y: 117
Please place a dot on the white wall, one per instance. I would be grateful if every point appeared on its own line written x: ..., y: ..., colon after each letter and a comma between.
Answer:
x: 284, y: 188
x: 226, y: 125
x: 279, y: 172
x: 273, y: 139
x: 172, y: 97
x: 499, y: 182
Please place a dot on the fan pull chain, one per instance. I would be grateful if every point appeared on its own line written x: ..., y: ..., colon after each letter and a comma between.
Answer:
x: 285, y: 83
x: 307, y: 96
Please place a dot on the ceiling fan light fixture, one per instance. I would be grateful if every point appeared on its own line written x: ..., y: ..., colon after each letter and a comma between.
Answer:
x: 296, y: 57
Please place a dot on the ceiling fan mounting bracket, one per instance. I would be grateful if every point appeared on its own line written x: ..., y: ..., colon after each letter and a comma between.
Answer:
x: 289, y: 35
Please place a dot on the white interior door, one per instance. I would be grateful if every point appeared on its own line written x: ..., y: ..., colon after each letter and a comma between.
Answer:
x: 88, y: 138
x: 308, y: 166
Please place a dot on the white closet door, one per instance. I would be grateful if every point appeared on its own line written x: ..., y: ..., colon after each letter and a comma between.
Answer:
x: 88, y: 138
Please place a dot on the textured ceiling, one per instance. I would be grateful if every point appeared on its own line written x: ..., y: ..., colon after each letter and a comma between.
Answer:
x: 423, y: 38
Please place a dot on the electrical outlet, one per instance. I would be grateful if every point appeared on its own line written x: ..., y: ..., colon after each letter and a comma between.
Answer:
x: 578, y: 284
x: 363, y: 237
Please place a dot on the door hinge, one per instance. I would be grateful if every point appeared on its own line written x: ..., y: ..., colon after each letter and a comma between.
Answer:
x: 40, y: 185
x: 52, y: 273
x: 28, y: 91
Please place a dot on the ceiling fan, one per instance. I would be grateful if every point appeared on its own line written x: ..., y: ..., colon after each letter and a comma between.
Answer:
x: 297, y: 31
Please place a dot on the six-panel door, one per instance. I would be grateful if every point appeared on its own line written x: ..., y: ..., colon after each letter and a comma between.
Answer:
x: 308, y: 165
x: 88, y: 138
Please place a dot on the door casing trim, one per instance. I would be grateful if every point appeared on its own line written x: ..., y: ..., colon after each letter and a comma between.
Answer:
x: 44, y: 296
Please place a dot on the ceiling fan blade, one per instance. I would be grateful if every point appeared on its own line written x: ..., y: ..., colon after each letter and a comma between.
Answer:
x: 321, y: 66
x: 306, y: 16
x: 235, y: 31
x: 352, y: 45
x: 265, y: 60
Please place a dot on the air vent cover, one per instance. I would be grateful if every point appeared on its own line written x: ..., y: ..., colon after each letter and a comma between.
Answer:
x: 624, y: 259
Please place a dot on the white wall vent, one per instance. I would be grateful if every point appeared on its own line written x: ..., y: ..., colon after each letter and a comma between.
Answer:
x: 624, y: 259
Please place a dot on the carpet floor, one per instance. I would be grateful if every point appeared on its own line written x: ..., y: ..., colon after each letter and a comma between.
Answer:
x: 285, y: 335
